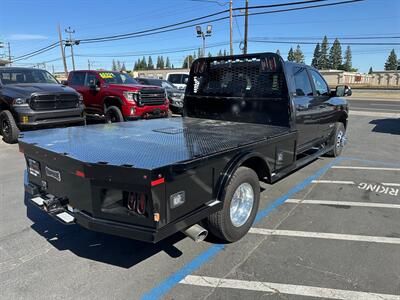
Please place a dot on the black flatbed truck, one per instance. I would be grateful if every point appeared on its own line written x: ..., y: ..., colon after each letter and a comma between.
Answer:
x: 245, y: 120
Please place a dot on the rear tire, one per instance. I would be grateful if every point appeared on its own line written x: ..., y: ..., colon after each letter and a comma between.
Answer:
x: 8, y: 127
x: 240, y: 206
x: 113, y: 115
x: 337, y: 140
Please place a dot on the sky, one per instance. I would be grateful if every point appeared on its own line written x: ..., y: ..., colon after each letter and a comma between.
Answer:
x: 31, y: 25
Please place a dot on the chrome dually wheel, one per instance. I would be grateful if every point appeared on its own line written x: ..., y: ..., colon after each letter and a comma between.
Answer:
x: 241, y: 204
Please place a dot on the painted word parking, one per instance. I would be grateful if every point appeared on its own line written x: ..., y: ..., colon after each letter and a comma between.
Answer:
x: 337, y: 237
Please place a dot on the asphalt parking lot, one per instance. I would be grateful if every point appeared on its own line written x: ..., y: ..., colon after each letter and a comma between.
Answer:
x: 330, y: 230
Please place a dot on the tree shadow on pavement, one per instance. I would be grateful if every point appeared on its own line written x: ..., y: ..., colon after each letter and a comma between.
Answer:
x: 391, y: 126
x: 109, y: 249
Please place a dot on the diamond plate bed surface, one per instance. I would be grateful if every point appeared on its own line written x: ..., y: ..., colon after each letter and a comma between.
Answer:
x: 149, y: 144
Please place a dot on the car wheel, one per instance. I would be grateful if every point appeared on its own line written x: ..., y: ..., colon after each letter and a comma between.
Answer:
x: 113, y: 115
x: 241, y: 200
x: 8, y: 127
x: 338, y: 140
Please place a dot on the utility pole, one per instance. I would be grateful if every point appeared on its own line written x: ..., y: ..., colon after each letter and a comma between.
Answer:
x: 52, y: 68
x: 71, y: 44
x: 246, y: 27
x: 88, y: 64
x: 230, y: 27
x: 9, y: 52
x: 62, y: 51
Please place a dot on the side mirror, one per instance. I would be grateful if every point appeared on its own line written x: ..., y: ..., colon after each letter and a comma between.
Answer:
x: 343, y: 91
x: 64, y: 82
x: 95, y: 87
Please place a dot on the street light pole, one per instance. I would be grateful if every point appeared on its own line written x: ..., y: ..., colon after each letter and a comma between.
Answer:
x: 230, y: 28
x: 246, y: 27
x: 203, y: 35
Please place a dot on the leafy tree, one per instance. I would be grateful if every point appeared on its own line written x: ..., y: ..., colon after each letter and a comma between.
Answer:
x: 298, y: 55
x: 335, y: 55
x: 323, y: 60
x: 278, y: 52
x: 114, y: 65
x: 290, y: 56
x: 150, y: 64
x: 347, y: 66
x: 316, y: 56
x: 168, y: 63
x: 370, y: 70
x: 391, y: 62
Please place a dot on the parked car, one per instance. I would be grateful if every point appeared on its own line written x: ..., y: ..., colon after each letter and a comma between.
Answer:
x: 32, y: 98
x: 175, y: 96
x: 247, y: 118
x: 118, y: 96
x: 179, y: 80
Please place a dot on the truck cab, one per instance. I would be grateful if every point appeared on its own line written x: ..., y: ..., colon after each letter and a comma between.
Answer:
x: 118, y: 96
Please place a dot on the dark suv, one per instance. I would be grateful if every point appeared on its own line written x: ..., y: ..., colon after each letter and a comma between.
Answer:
x: 32, y: 98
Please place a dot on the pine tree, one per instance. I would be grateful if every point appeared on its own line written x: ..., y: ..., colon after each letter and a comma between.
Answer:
x: 370, y: 70
x: 158, y: 62
x: 316, y: 56
x: 290, y: 56
x: 118, y: 65
x: 335, y: 55
x: 298, y: 55
x: 114, y: 65
x: 162, y: 64
x: 135, y: 66
x: 220, y: 52
x: 187, y: 62
x: 172, y: 67
x: 199, y: 52
x: 391, y: 62
x: 323, y: 61
x: 150, y: 64
x: 168, y: 63
x: 278, y: 52
x: 144, y: 63
x: 347, y: 66
x: 225, y: 53
x: 123, y: 68
x: 209, y: 54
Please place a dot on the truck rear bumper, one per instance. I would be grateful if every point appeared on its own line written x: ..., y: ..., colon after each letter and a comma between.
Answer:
x: 136, y: 232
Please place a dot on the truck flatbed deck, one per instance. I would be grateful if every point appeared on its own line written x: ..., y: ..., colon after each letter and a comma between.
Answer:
x: 154, y: 144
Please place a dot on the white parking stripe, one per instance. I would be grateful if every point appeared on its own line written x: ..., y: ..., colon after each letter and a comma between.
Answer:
x: 279, y: 288
x: 330, y: 236
x: 348, y: 203
x: 366, y: 168
x: 390, y: 184
x: 373, y: 114
x: 333, y: 181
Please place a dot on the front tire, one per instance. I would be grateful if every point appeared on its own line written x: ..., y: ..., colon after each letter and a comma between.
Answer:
x: 338, y: 140
x: 8, y: 127
x: 113, y: 115
x: 241, y: 201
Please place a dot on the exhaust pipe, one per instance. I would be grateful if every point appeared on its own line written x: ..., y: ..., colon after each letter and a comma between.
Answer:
x: 196, y: 233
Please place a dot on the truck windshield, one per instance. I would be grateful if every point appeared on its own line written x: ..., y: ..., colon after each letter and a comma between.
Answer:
x: 18, y: 76
x: 117, y: 78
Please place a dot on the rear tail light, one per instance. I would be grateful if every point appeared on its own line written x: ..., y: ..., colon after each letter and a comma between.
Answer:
x: 137, y: 202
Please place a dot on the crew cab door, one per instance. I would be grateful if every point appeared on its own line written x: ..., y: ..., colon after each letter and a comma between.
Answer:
x: 306, y: 119
x: 325, y: 110
x: 93, y: 100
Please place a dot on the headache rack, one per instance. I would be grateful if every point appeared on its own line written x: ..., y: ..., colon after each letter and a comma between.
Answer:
x: 53, y: 101
x: 151, y: 97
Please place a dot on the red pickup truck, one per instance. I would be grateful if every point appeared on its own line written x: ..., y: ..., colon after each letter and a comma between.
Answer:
x: 118, y: 96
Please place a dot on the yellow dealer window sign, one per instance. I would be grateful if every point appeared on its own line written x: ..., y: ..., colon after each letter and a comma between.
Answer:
x: 106, y: 75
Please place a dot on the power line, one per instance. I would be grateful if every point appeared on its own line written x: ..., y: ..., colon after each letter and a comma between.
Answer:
x: 159, y: 30
x: 313, y: 43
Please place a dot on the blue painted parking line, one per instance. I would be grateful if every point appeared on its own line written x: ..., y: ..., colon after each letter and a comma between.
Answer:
x: 163, y: 287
